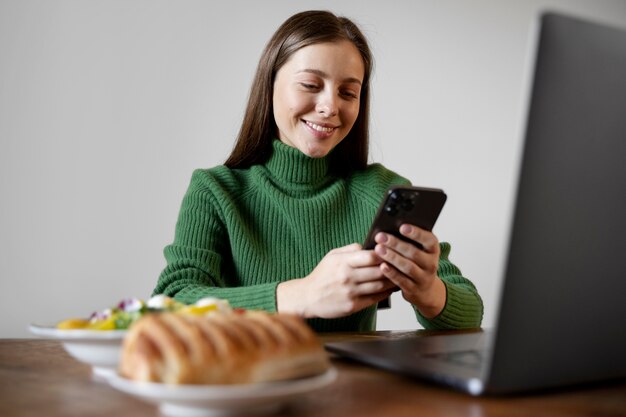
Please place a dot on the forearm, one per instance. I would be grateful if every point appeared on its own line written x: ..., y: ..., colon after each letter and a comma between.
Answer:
x: 193, y: 273
x: 463, y: 307
x: 254, y: 297
x: 191, y: 285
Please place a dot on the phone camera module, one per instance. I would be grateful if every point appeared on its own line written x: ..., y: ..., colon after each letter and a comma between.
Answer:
x: 406, y: 201
x: 407, y: 205
x: 391, y: 209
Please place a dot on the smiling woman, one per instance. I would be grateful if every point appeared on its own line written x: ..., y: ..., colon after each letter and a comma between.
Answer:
x: 326, y: 32
x: 316, y: 96
x: 277, y: 226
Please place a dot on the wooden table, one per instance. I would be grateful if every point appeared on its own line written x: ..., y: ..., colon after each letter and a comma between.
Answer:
x: 38, y: 378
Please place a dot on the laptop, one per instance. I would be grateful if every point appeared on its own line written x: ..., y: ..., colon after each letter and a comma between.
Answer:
x: 562, y: 311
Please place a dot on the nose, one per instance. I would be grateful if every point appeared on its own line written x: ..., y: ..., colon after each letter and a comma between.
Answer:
x: 327, y: 105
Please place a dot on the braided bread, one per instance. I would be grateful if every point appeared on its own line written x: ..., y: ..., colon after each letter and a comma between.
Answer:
x: 253, y: 346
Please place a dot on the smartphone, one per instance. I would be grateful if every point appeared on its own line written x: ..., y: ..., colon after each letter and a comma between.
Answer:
x: 417, y: 206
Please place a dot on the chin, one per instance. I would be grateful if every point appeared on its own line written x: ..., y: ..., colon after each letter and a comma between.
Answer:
x: 317, y: 150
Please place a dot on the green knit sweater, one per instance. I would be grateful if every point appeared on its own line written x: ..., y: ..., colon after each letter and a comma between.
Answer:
x: 241, y: 232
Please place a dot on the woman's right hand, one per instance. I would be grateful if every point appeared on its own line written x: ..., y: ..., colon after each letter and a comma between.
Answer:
x: 346, y: 280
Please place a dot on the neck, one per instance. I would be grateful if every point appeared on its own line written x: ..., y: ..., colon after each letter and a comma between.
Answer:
x: 289, y: 165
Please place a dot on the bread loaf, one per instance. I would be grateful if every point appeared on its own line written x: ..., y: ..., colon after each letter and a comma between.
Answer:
x: 238, y: 348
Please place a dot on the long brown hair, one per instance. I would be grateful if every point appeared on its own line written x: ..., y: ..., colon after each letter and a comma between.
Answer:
x: 258, y: 129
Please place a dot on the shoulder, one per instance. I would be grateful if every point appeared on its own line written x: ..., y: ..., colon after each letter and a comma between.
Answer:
x: 374, y: 180
x: 219, y: 181
x: 221, y: 176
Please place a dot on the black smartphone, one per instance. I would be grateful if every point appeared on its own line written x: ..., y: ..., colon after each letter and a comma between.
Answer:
x: 418, y: 206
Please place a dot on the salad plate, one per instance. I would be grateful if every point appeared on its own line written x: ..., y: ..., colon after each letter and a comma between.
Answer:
x: 98, y: 348
x: 97, y: 340
x: 221, y: 400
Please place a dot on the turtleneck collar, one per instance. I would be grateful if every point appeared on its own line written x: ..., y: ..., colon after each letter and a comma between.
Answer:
x: 290, y: 165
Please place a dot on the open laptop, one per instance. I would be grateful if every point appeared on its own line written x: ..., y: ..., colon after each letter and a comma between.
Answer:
x: 562, y: 313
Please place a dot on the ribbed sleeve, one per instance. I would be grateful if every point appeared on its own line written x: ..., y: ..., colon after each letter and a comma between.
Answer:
x: 464, y: 307
x: 242, y: 232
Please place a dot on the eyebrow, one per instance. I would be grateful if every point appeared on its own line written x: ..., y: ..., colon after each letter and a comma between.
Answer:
x: 324, y: 75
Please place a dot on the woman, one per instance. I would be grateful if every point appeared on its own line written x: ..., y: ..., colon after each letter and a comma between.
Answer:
x: 276, y: 227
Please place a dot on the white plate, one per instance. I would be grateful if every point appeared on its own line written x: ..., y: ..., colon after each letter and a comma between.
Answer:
x: 220, y: 400
x: 99, y: 348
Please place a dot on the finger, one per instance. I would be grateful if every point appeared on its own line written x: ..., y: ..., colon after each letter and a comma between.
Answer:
x: 426, y: 239
x: 374, y: 287
x: 368, y: 300
x: 353, y: 247
x: 400, y: 280
x: 366, y: 274
x: 406, y: 249
x: 397, y: 263
x: 363, y: 258
x: 418, y: 268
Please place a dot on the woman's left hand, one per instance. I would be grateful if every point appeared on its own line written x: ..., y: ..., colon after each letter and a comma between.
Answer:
x: 413, y: 269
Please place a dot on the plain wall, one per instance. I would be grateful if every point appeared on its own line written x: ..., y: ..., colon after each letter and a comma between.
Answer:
x: 106, y: 108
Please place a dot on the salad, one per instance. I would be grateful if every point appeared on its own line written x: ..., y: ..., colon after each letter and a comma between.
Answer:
x: 130, y: 310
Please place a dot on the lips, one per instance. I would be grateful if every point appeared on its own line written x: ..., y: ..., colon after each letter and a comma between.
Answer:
x: 322, y: 128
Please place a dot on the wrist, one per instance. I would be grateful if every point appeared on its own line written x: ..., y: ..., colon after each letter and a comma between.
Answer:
x: 289, y: 297
x: 431, y: 303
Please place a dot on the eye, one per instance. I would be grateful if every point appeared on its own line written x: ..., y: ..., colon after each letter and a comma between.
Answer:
x: 309, y: 86
x: 349, y: 94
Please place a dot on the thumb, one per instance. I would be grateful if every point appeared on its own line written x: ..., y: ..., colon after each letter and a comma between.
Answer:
x: 353, y: 247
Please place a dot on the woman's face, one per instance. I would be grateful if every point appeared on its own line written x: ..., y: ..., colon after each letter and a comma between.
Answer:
x: 317, y: 96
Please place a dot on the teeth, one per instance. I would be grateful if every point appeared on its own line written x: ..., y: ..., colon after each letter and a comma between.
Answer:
x: 320, y: 128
